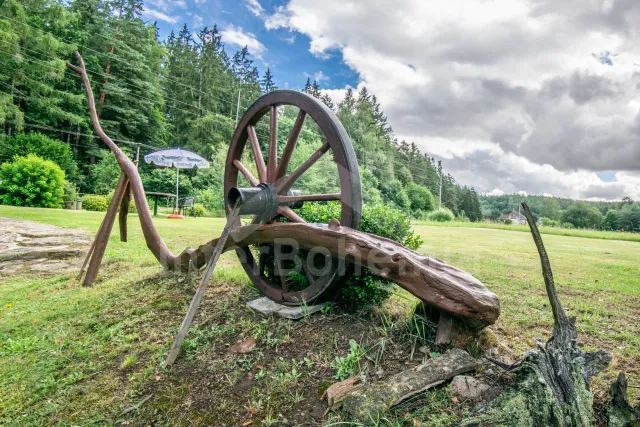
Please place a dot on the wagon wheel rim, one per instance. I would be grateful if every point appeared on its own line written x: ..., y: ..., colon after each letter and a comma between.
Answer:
x: 273, y: 172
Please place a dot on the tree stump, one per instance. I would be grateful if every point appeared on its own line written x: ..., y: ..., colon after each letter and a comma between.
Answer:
x: 552, y: 384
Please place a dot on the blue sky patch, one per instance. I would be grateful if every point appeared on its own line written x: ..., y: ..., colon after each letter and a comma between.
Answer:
x: 285, y: 52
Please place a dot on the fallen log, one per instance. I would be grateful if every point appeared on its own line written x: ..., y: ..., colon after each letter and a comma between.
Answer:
x: 433, y: 281
x: 552, y: 384
x: 367, y: 403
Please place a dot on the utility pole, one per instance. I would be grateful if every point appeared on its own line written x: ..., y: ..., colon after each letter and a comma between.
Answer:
x: 238, y: 107
x: 440, y: 197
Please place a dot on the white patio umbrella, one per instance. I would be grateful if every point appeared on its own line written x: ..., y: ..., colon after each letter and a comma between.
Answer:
x: 176, y: 158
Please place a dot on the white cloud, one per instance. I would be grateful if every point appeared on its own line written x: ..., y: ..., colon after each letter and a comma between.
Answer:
x: 254, y: 7
x: 167, y: 5
x: 197, y: 21
x: 320, y: 76
x: 530, y: 95
x: 159, y: 16
x: 495, y: 192
x: 235, y: 36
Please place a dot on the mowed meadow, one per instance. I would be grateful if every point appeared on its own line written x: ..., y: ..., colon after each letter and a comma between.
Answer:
x: 75, y: 355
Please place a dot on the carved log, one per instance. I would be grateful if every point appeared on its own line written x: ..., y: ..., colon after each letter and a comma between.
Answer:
x: 428, y: 278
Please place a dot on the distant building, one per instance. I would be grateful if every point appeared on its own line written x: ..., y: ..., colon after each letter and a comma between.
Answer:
x: 515, y: 217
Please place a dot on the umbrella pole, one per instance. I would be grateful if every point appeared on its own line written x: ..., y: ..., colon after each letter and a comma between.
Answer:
x: 177, y: 184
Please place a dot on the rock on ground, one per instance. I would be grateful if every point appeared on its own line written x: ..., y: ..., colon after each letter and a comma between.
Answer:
x: 469, y: 387
x: 27, y: 246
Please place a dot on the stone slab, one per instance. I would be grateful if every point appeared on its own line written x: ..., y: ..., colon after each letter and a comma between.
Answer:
x: 267, y: 307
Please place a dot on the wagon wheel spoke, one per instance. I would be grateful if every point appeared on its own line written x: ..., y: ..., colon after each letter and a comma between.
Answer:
x: 290, y: 214
x: 291, y: 145
x: 286, y: 184
x: 309, y: 198
x: 257, y: 153
x: 242, y: 168
x: 273, y: 143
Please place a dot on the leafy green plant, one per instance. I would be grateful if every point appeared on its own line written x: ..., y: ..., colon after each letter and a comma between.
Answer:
x: 93, y: 202
x: 200, y: 210
x: 32, y: 181
x: 441, y: 215
x: 42, y: 146
x: 348, y: 365
x: 70, y: 195
x: 381, y: 219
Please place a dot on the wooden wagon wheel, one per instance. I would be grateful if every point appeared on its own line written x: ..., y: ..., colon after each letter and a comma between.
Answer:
x: 273, y: 195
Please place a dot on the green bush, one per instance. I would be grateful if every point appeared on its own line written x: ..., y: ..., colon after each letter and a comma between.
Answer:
x: 421, y: 199
x: 567, y: 225
x: 70, y: 195
x: 441, y: 215
x: 95, y: 203
x: 32, y: 181
x: 42, y: 146
x: 200, y: 210
x: 549, y: 222
x: 377, y: 218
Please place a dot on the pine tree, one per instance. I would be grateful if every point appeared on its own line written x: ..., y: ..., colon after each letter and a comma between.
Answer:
x: 307, y: 86
x: 267, y: 83
x: 315, y: 90
x: 328, y: 101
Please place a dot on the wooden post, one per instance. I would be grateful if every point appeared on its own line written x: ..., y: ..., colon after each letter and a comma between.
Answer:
x: 102, y: 238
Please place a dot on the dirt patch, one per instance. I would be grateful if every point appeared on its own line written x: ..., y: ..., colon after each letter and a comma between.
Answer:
x: 284, y: 377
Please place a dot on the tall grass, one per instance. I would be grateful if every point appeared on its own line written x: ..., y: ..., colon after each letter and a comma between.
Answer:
x: 590, y: 234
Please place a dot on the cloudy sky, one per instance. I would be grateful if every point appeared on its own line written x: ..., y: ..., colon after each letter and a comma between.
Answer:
x: 541, y: 96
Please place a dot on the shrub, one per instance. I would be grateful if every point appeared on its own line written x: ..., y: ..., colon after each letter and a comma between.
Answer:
x: 567, y: 225
x: 70, y: 195
x: 42, y: 146
x: 549, y: 222
x: 32, y: 181
x: 441, y: 215
x: 95, y: 203
x: 104, y: 175
x: 200, y: 210
x: 420, y: 198
x: 386, y: 221
x: 211, y: 200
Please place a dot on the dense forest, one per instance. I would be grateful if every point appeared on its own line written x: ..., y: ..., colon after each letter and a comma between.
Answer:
x: 185, y: 91
x: 554, y: 211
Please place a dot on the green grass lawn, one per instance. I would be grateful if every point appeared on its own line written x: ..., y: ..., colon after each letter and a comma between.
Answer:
x: 71, y: 355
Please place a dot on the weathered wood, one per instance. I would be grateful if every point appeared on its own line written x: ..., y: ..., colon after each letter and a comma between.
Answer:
x: 552, y: 384
x: 428, y: 278
x: 124, y: 212
x: 197, y: 297
x: 102, y: 237
x: 619, y: 413
x: 366, y: 403
x: 445, y: 329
